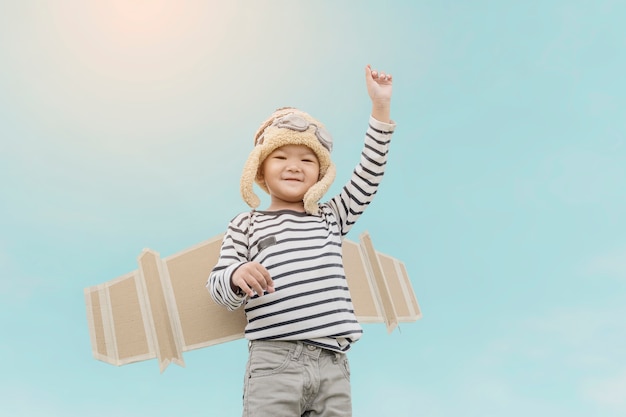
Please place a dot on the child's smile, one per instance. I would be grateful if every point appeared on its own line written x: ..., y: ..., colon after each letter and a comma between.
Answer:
x: 289, y: 172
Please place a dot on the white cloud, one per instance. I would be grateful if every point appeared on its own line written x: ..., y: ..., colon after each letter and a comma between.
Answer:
x: 610, y: 264
x: 489, y: 395
x: 471, y: 392
x: 560, y: 362
x: 608, y: 393
x: 571, y: 326
x: 585, y: 339
x: 28, y: 399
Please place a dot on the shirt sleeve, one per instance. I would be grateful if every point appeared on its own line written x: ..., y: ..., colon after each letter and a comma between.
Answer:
x: 356, y: 195
x: 233, y: 254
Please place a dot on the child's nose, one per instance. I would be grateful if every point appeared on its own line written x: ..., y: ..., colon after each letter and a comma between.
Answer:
x: 294, y: 166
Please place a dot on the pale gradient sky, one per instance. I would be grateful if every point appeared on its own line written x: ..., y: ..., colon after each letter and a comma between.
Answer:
x: 125, y: 125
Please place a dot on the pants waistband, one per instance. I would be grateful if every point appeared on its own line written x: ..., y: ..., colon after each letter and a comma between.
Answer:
x: 297, y: 348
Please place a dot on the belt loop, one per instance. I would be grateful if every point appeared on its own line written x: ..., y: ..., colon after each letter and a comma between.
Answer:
x: 298, y: 350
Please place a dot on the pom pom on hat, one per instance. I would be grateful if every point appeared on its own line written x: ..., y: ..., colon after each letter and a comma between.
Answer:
x: 289, y: 126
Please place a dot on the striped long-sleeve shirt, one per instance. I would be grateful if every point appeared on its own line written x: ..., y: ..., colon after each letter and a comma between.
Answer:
x: 302, y: 253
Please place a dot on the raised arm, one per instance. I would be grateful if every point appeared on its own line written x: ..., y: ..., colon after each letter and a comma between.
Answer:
x: 359, y: 191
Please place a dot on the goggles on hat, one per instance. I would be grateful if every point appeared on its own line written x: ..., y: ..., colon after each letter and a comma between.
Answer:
x: 299, y: 124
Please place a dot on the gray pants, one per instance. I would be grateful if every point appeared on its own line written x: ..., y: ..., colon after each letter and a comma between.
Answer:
x: 291, y: 379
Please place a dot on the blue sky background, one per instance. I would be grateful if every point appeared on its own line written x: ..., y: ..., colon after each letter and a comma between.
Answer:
x: 125, y: 125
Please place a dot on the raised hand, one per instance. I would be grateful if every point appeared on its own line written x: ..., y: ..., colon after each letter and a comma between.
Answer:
x: 379, y: 87
x: 379, y: 84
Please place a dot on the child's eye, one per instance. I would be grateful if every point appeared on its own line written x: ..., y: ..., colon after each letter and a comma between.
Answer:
x: 307, y: 160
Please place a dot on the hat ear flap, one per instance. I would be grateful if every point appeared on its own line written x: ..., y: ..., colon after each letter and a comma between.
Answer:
x: 317, y: 191
x: 248, y: 175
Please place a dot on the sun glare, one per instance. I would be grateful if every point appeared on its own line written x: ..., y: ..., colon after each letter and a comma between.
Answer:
x: 123, y: 38
x: 147, y: 18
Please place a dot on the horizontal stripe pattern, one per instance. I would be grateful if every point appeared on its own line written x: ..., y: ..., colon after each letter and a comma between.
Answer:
x: 303, y: 255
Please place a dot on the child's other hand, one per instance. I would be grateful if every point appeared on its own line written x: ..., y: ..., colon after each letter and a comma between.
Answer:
x: 379, y: 85
x: 252, y: 277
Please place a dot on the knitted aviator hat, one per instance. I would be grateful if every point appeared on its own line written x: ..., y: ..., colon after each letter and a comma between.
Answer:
x: 289, y: 126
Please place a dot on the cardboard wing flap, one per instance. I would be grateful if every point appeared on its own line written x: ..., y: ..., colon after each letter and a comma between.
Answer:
x: 400, y: 289
x: 163, y: 308
x: 379, y: 284
x: 202, y: 321
x: 117, y: 321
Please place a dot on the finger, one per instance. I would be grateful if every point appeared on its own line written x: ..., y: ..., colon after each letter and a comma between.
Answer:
x: 261, y: 281
x: 256, y: 286
x: 385, y: 77
x: 254, y: 278
x: 245, y: 288
x: 268, y: 280
x: 264, y: 277
x: 266, y: 284
x: 240, y: 282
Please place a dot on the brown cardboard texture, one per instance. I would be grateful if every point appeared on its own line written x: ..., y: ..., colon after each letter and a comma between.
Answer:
x: 164, y: 309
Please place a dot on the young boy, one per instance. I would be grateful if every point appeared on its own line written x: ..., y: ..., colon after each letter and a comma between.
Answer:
x: 284, y: 263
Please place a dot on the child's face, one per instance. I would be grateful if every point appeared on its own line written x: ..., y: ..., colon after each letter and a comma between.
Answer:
x: 289, y: 172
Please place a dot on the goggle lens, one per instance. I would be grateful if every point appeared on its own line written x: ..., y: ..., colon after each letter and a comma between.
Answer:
x: 300, y: 124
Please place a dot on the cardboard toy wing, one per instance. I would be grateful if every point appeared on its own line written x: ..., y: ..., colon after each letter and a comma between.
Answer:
x: 163, y: 308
